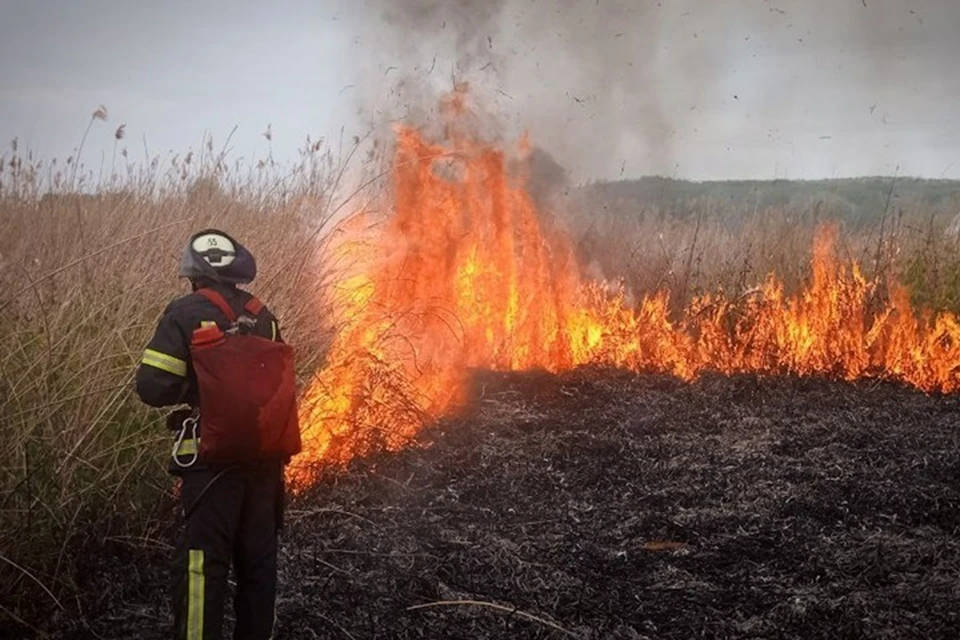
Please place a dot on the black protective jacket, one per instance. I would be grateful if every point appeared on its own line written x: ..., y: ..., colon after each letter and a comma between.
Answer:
x: 165, y: 377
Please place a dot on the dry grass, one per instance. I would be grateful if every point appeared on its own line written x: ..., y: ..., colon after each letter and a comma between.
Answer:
x: 714, y: 248
x: 86, y: 267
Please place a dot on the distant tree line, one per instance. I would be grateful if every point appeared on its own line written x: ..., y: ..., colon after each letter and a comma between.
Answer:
x: 855, y: 201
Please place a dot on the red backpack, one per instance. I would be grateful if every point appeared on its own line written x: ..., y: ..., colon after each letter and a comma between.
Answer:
x: 248, y: 392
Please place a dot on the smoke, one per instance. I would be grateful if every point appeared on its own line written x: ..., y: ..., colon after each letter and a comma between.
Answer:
x: 621, y: 88
x: 581, y: 76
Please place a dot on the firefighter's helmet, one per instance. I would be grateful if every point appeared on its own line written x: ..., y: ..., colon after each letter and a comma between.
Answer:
x: 215, y: 255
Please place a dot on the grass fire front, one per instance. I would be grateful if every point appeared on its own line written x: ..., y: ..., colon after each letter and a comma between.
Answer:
x: 598, y: 504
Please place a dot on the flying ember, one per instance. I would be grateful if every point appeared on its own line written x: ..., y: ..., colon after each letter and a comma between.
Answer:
x: 466, y: 273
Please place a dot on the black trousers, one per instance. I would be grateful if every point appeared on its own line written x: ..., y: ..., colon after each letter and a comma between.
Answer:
x: 232, y: 517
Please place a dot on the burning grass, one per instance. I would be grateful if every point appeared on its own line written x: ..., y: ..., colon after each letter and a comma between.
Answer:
x: 466, y: 272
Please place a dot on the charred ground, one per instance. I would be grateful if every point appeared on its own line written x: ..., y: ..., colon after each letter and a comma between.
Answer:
x: 607, y: 505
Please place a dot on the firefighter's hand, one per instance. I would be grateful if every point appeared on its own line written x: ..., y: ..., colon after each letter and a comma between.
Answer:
x: 175, y: 418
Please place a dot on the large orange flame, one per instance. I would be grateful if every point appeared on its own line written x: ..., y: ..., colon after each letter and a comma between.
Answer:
x: 465, y: 274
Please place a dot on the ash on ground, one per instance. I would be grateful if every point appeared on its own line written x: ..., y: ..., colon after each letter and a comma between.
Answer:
x: 599, y: 504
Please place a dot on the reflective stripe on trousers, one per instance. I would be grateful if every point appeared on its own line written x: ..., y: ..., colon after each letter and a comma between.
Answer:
x: 195, y: 589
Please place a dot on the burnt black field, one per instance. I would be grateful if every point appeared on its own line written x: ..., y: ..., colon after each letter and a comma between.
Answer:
x: 600, y: 504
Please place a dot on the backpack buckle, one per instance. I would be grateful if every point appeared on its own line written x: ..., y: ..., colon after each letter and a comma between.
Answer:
x: 244, y: 325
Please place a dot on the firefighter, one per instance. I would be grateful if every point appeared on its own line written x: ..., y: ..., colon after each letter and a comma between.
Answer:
x: 232, y: 513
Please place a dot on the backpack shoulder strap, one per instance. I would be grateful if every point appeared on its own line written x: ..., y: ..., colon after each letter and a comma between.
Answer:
x: 253, y: 306
x: 220, y: 302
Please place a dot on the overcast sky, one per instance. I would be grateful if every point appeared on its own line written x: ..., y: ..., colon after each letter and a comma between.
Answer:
x: 721, y: 89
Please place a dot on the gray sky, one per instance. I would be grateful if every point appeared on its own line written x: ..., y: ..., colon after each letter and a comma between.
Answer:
x: 720, y: 89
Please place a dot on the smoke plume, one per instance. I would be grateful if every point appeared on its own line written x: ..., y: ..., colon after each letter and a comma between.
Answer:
x: 630, y: 87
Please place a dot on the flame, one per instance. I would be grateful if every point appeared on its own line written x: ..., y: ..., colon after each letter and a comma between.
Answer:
x: 466, y: 274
